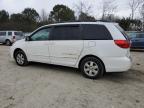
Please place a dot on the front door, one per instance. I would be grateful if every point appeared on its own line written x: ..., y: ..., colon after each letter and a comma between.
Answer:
x: 37, y: 47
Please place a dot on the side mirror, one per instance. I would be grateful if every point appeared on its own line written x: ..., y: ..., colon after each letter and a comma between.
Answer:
x: 27, y: 38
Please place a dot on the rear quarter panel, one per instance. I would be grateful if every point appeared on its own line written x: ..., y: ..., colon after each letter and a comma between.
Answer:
x: 107, y: 50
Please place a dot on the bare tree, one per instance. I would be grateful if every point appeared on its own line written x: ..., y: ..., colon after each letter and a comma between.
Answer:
x: 141, y: 10
x: 81, y: 8
x: 134, y: 4
x: 44, y: 16
x: 108, y: 8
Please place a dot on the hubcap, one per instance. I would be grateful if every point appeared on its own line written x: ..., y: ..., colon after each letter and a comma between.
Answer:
x: 8, y: 43
x: 91, y: 68
x: 20, y: 59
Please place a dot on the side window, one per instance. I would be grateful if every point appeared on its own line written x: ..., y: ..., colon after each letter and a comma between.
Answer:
x: 10, y: 33
x: 95, y: 32
x: 41, y: 35
x: 66, y: 32
x: 123, y: 32
x: 139, y: 35
x: 132, y: 35
x: 2, y: 33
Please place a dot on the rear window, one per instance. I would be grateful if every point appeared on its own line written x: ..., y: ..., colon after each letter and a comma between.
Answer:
x: 95, y: 32
x: 131, y: 35
x: 18, y: 33
x: 139, y: 35
x: 2, y: 33
x: 66, y: 32
x: 122, y: 31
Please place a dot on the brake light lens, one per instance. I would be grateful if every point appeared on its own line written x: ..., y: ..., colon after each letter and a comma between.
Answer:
x: 13, y: 37
x: 122, y: 43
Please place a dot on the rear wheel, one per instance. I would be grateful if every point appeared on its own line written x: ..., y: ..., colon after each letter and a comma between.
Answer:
x: 21, y: 58
x: 92, y: 68
x: 8, y: 42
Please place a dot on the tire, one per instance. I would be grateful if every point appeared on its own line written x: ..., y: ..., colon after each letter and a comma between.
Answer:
x: 21, y: 58
x: 8, y: 42
x: 92, y: 68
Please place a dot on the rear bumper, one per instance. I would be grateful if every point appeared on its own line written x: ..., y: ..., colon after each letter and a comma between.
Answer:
x: 117, y: 64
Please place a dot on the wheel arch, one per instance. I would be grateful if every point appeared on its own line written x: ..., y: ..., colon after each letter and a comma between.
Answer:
x: 25, y: 61
x: 17, y: 49
x: 91, y: 56
x: 7, y: 40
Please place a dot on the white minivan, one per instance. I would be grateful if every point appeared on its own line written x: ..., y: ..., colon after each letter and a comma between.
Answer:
x: 93, y: 47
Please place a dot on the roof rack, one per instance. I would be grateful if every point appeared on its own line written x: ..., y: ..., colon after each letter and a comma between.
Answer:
x: 85, y: 21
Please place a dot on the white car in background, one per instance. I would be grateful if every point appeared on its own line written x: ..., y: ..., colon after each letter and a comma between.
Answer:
x: 93, y: 47
x: 9, y: 37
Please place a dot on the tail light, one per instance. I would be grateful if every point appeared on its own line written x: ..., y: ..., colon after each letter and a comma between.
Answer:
x: 13, y: 37
x: 122, y: 43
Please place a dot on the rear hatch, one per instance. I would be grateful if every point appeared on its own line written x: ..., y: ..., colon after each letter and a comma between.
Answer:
x: 126, y: 43
x: 18, y: 35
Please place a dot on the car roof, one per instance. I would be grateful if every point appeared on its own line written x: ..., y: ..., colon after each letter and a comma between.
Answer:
x: 9, y: 31
x: 73, y: 23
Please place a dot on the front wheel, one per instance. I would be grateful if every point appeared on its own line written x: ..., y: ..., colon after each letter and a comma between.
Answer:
x: 21, y: 58
x: 92, y: 68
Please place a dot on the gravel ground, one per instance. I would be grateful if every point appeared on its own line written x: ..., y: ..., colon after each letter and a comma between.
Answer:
x: 48, y: 86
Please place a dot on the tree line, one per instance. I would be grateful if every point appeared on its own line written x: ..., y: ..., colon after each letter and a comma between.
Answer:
x: 29, y: 19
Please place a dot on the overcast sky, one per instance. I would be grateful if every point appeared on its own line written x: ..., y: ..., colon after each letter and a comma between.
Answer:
x: 15, y: 6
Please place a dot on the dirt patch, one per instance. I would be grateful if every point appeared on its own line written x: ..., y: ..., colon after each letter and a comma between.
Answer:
x: 48, y: 86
